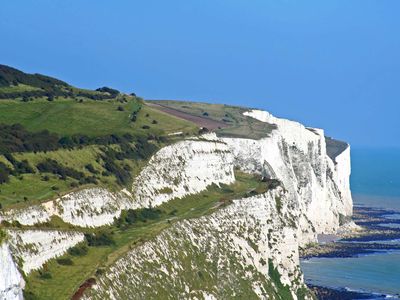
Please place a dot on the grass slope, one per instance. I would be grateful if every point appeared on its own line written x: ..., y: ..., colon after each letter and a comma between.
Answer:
x: 91, y: 117
x: 66, y: 279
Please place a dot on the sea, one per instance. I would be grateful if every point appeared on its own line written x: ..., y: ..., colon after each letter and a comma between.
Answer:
x: 375, y: 182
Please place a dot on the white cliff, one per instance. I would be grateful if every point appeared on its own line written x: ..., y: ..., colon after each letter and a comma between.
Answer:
x: 88, y: 208
x: 11, y: 282
x: 34, y: 247
x: 231, y: 248
x: 183, y: 168
x: 318, y: 187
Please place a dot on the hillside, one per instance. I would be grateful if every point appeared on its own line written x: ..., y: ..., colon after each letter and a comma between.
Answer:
x: 107, y: 196
x: 95, y: 141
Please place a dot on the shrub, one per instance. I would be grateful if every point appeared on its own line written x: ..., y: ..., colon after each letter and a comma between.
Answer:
x: 108, y: 90
x: 101, y: 238
x: 52, y: 166
x: 65, y: 261
x: 203, y: 130
x: 4, y: 173
x: 45, y: 274
x: 3, y: 235
x: 165, y: 190
x: 91, y: 169
x: 79, y: 250
x: 131, y: 216
x: 28, y: 295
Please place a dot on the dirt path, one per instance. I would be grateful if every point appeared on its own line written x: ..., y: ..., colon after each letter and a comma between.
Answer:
x: 199, y: 121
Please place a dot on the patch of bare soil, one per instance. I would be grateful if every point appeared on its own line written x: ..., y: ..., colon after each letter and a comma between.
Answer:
x: 86, y: 285
x: 199, y: 121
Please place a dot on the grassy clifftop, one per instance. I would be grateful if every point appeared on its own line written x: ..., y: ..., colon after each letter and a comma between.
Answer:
x: 55, y: 138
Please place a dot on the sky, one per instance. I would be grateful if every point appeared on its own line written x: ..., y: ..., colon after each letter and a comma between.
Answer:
x: 332, y: 64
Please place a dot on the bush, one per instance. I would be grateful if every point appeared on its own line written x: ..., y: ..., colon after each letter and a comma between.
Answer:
x: 108, y: 90
x: 131, y: 216
x: 91, y: 169
x: 65, y: 261
x: 4, y: 173
x: 101, y: 238
x: 14, y: 138
x: 74, y: 184
x: 79, y: 250
x: 3, y: 235
x: 28, y: 295
x: 45, y: 274
x: 52, y: 166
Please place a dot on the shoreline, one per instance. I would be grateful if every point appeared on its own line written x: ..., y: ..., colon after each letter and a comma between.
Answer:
x: 374, y: 236
x: 327, y: 293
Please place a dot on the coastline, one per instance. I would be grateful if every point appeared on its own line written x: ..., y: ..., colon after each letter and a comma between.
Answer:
x: 326, y: 293
x: 378, y: 232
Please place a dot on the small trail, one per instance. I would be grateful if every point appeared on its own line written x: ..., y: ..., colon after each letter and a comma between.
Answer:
x: 210, y: 124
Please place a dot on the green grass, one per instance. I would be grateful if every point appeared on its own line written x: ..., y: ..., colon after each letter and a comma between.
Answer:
x: 66, y: 279
x: 33, y: 188
x: 67, y: 117
x: 76, y: 158
x: 92, y: 118
x: 29, y: 189
x: 238, y: 125
x: 18, y: 88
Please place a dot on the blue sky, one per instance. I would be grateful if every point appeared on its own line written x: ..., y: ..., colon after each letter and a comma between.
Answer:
x: 329, y: 64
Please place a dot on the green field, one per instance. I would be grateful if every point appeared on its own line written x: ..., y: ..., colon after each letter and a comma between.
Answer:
x: 91, y: 117
x: 28, y: 189
x: 66, y: 279
x: 237, y: 125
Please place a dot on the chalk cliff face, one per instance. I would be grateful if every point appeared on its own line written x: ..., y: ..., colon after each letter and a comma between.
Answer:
x: 240, y: 245
x: 184, y: 168
x: 11, y: 282
x: 318, y: 187
x: 35, y: 247
x: 221, y: 256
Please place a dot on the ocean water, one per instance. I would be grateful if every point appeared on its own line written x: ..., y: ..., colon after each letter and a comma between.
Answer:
x: 377, y: 273
x: 375, y: 178
x: 375, y: 182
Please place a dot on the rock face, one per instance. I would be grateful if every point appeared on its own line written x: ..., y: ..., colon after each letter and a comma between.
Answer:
x: 35, y: 247
x: 11, y: 282
x: 184, y: 168
x: 86, y: 208
x: 222, y: 256
x: 318, y: 187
